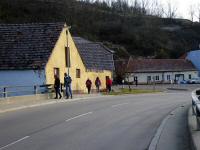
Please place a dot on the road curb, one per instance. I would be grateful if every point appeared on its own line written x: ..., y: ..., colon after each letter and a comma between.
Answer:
x: 194, y: 133
x: 156, y: 138
x: 177, y: 89
x: 48, y: 103
x: 61, y: 101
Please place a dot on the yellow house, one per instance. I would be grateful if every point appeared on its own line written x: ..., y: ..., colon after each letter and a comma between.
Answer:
x: 81, y: 58
x: 31, y: 54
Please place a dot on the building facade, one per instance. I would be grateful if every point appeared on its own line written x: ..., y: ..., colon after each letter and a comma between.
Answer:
x: 148, y: 71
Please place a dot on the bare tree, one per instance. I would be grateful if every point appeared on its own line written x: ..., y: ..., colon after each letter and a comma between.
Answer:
x: 171, y: 10
x: 156, y: 8
x: 192, y: 12
x: 197, y: 15
x: 144, y: 6
x: 136, y: 4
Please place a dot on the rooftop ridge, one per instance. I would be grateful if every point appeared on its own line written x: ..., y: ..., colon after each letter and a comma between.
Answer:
x: 33, y: 23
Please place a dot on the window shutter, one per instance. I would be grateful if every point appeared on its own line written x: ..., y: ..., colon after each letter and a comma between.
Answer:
x: 67, y: 57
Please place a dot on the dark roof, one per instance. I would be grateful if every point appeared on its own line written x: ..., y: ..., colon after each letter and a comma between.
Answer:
x: 159, y: 65
x: 95, y: 56
x: 27, y: 46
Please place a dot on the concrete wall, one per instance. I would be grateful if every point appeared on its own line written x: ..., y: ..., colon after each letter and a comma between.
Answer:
x: 142, y: 77
x: 57, y: 60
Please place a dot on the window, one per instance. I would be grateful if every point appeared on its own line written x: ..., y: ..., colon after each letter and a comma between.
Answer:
x: 67, y: 57
x: 78, y: 73
x: 168, y: 77
x: 190, y: 76
x: 56, y: 72
x: 157, y: 78
x: 148, y: 78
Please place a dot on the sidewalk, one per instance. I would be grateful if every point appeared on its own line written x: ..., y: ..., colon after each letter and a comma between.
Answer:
x: 194, y: 133
x: 21, y: 102
x: 173, y: 132
x: 163, y: 87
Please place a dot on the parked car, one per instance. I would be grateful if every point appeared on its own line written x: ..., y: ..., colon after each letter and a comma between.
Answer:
x: 194, y: 81
x: 183, y: 82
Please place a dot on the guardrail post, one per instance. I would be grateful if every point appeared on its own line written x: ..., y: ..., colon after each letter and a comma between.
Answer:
x: 193, y: 106
x: 198, y: 123
x: 35, y: 89
x: 197, y: 118
x: 4, y: 92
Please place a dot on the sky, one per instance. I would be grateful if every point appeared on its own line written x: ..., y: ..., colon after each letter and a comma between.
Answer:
x: 183, y: 6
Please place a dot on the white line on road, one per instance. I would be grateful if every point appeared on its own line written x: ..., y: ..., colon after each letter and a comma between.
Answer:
x: 78, y: 116
x: 119, y: 104
x: 14, y: 142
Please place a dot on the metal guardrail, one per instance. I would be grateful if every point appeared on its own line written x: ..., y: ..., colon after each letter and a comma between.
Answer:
x: 196, y: 106
x: 9, y: 91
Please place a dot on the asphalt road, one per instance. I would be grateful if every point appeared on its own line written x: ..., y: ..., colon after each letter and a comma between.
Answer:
x: 111, y: 123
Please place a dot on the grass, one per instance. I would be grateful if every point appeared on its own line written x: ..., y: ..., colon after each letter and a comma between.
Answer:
x: 131, y: 91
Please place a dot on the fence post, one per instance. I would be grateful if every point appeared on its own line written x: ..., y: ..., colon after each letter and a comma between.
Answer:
x: 35, y: 89
x: 4, y: 92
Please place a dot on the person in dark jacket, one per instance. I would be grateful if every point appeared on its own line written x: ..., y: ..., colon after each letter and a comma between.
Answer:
x: 67, y: 84
x: 98, y: 84
x: 136, y: 81
x: 88, y: 84
x: 57, y: 87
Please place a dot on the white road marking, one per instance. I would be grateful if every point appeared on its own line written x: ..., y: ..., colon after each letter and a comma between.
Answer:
x: 78, y: 116
x: 26, y: 137
x: 119, y: 104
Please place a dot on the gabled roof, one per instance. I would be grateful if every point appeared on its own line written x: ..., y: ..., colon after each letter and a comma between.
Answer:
x: 95, y: 56
x: 27, y: 46
x: 159, y: 65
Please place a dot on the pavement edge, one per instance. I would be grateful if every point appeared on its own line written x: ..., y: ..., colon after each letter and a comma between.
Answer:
x: 47, y: 103
x: 154, y: 142
x: 194, y: 133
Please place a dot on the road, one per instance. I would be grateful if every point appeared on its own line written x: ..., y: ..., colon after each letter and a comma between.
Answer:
x: 108, y: 123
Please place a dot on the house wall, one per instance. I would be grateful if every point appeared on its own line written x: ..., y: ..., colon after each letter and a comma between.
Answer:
x: 57, y: 60
x: 142, y: 77
x: 14, y: 78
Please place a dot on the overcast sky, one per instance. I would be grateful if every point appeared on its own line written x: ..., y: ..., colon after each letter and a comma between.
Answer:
x: 183, y: 6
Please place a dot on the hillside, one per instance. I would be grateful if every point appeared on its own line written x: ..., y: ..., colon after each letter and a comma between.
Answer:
x: 128, y: 33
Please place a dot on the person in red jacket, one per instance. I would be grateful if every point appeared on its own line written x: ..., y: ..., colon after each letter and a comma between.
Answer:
x: 109, y: 84
x: 88, y: 84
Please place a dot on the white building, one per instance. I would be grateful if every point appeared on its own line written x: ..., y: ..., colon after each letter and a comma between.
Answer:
x: 160, y: 70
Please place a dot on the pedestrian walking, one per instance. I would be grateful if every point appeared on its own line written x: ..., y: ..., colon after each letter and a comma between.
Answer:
x: 57, y: 87
x: 67, y: 84
x: 108, y: 84
x: 136, y: 81
x: 123, y: 84
x: 98, y: 84
x: 88, y: 85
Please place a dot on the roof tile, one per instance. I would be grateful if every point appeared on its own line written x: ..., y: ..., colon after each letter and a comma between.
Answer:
x: 22, y: 46
x: 94, y: 55
x: 158, y: 65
